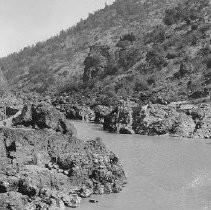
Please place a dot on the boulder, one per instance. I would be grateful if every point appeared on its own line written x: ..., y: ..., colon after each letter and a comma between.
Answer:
x: 85, y: 192
x: 44, y: 115
x: 184, y: 126
x: 10, y: 111
x: 157, y: 119
x: 154, y: 119
x: 72, y: 200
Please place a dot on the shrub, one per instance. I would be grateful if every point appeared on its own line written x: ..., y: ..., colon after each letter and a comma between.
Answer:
x: 157, y: 35
x: 155, y: 58
x: 128, y: 37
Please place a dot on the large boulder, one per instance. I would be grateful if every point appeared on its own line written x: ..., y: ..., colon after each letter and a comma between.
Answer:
x: 183, y: 126
x: 154, y: 119
x: 9, y: 106
x: 44, y: 115
x: 186, y: 120
x: 157, y: 119
x: 120, y: 120
x: 44, y: 168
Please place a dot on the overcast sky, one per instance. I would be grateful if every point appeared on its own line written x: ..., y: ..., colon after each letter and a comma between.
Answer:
x: 25, y: 22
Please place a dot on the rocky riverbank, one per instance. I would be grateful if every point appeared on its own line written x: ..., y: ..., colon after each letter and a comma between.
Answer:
x: 185, y: 120
x: 44, y: 166
x: 175, y: 119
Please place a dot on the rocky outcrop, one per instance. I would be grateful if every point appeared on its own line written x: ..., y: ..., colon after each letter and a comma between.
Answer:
x: 101, y: 112
x: 77, y: 112
x: 119, y: 120
x: 9, y: 105
x: 183, y: 126
x: 178, y: 119
x: 157, y: 119
x: 45, y: 169
x: 44, y: 115
x: 97, y: 62
x: 202, y: 117
x: 25, y: 118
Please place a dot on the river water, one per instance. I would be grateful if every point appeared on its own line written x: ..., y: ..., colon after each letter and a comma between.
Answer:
x: 163, y: 173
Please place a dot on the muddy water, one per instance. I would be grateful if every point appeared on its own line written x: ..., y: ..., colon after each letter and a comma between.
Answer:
x: 163, y: 173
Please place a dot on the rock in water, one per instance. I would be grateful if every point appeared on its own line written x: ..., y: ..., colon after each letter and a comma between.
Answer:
x: 93, y: 201
x: 72, y: 200
x: 157, y: 119
x: 85, y: 192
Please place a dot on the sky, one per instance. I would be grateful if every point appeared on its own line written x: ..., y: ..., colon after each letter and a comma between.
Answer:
x: 25, y: 22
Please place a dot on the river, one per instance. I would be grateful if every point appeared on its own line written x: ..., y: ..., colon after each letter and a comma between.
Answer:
x: 163, y: 173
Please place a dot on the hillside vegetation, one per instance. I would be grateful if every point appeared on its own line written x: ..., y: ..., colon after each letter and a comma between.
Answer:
x: 49, y: 64
x: 3, y: 85
x: 147, y: 50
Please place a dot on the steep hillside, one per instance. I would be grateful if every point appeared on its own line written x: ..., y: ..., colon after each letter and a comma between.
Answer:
x: 169, y: 62
x: 47, y: 65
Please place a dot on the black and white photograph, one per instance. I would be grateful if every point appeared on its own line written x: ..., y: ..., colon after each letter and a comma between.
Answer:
x: 105, y: 104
